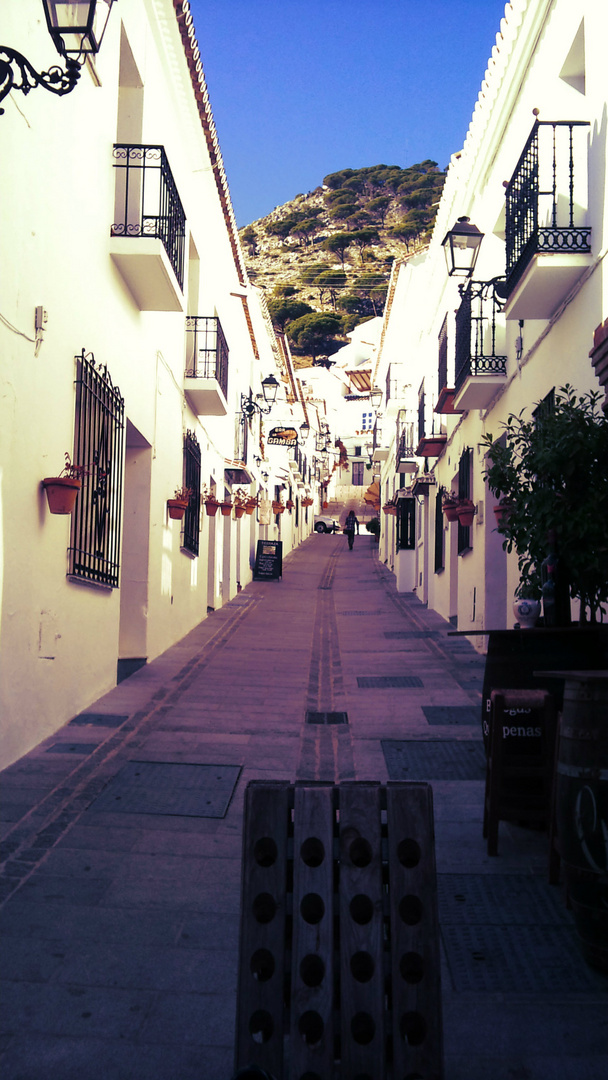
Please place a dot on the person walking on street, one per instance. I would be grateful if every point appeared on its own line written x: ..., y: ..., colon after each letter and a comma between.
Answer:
x: 350, y: 526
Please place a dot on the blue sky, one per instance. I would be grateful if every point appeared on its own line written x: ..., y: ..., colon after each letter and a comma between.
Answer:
x: 303, y: 88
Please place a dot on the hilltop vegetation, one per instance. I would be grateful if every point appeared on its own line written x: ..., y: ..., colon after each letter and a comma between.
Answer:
x: 325, y: 258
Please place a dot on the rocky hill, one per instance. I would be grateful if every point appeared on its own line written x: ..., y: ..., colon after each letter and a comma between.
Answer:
x: 330, y: 251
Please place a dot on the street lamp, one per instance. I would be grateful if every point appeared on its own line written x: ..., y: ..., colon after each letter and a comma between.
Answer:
x: 375, y: 396
x: 249, y: 407
x: 77, y: 28
x: 305, y: 429
x: 461, y: 246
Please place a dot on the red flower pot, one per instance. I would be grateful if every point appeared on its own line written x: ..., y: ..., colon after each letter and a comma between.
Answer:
x: 177, y: 508
x: 61, y: 493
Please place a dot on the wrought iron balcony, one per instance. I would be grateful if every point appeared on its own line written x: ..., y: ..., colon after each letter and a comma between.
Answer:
x: 430, y: 441
x: 546, y: 218
x: 206, y: 374
x: 405, y: 457
x: 480, y: 330
x: 149, y: 229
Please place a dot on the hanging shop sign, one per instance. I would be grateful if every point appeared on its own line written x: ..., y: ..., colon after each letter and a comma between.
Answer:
x: 282, y: 436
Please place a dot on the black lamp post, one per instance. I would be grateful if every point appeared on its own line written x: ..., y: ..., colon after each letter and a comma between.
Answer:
x: 77, y: 28
x: 461, y: 246
x: 249, y: 407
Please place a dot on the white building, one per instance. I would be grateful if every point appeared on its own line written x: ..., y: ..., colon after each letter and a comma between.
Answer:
x: 130, y: 339
x: 532, y: 177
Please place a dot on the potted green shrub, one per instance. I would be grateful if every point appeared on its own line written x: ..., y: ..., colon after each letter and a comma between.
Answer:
x: 551, y: 469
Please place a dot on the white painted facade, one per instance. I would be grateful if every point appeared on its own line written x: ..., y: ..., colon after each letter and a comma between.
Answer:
x: 548, y: 65
x: 119, y: 297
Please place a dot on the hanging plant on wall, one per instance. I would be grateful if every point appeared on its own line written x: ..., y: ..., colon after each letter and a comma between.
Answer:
x: 551, y: 469
x: 62, y: 490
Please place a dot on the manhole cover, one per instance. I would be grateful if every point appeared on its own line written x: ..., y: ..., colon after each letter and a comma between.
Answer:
x: 99, y: 719
x: 452, y: 714
x: 173, y: 789
x: 446, y: 760
x: 517, y: 959
x: 385, y: 682
x: 326, y: 717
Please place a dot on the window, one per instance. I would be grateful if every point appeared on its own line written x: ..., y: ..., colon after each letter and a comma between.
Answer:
x: 358, y: 473
x: 406, y: 524
x: 366, y: 421
x: 464, y: 492
x: 98, y: 446
x: 439, y: 539
x: 192, y: 480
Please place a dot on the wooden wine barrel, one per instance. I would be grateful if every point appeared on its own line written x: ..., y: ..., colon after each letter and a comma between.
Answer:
x: 581, y: 807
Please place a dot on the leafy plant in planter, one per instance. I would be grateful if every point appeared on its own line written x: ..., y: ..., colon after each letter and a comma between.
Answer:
x: 552, y: 470
x: 62, y: 490
x: 178, y: 505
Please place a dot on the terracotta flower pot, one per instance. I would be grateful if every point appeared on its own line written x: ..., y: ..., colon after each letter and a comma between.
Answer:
x: 61, y: 493
x: 466, y: 512
x: 239, y: 511
x: 450, y: 510
x: 502, y: 512
x: 211, y: 506
x: 226, y: 508
x: 277, y: 507
x: 177, y: 508
x: 250, y: 506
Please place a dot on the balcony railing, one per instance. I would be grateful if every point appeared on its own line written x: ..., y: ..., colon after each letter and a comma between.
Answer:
x: 547, y: 196
x: 147, y: 203
x: 405, y: 445
x: 206, y: 350
x: 478, y: 331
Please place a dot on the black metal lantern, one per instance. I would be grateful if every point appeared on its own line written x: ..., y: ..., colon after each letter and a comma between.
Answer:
x: 305, y: 429
x: 270, y: 387
x: 461, y: 246
x: 77, y: 26
x: 375, y: 396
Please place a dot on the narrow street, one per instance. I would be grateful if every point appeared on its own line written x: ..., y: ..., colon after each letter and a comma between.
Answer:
x: 121, y: 879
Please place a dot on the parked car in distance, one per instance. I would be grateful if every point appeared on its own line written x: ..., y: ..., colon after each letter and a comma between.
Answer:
x: 325, y: 523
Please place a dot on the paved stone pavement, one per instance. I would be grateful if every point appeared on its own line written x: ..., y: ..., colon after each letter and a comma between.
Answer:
x: 120, y: 903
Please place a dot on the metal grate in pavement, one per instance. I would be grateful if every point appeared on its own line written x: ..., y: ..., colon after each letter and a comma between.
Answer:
x: 445, y: 760
x: 518, y: 959
x: 398, y: 635
x: 99, y: 719
x: 500, y: 900
x: 169, y: 788
x: 385, y: 682
x: 72, y: 748
x: 452, y: 714
x: 326, y: 717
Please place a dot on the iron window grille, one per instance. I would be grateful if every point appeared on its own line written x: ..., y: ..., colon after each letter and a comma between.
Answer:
x: 192, y: 480
x: 443, y: 356
x: 439, y: 533
x: 464, y: 492
x: 477, y: 332
x: 94, y: 553
x: 543, y: 196
x: 406, y: 523
x: 206, y: 350
x: 241, y: 438
x: 147, y: 201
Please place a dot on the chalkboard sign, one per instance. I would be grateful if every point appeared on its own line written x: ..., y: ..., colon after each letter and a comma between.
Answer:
x: 269, y: 559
